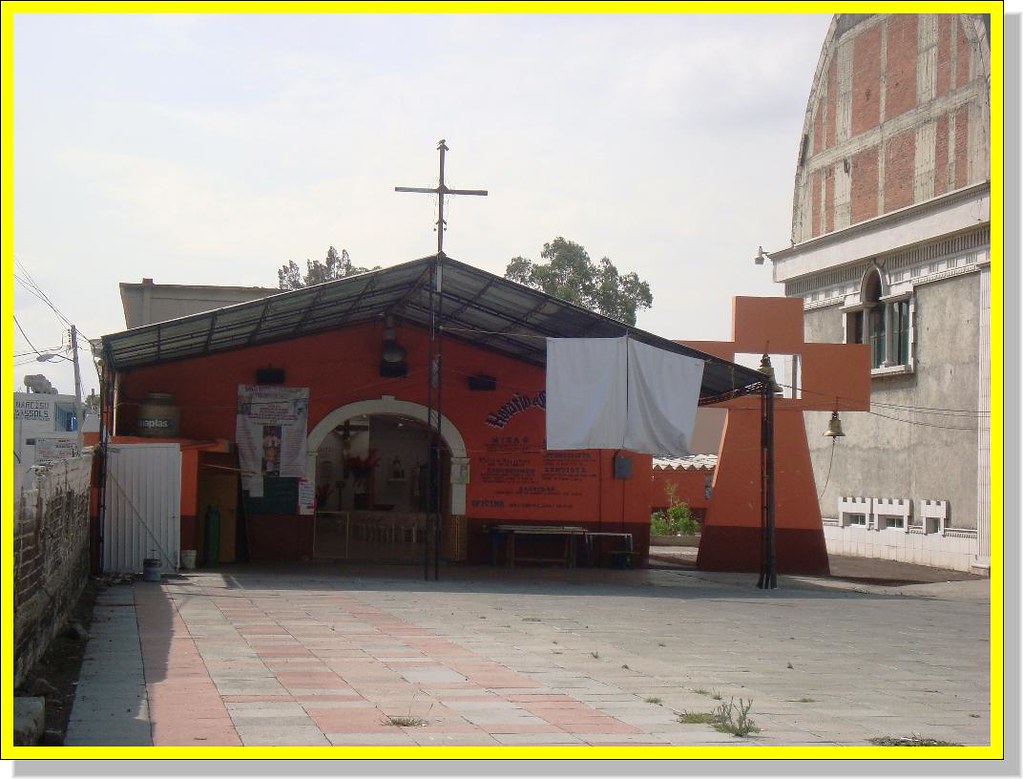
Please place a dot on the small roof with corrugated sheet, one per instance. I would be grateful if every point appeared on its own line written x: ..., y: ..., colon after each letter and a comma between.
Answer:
x: 466, y: 303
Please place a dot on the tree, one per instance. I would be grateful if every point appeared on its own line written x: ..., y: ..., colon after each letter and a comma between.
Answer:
x: 336, y: 266
x: 571, y: 275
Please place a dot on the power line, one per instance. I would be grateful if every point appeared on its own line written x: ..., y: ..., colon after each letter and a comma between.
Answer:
x: 38, y: 352
x: 922, y: 424
x: 32, y: 286
x: 934, y: 410
x: 25, y: 336
x: 35, y: 291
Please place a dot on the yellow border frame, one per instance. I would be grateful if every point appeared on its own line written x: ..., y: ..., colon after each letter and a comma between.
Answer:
x: 993, y: 752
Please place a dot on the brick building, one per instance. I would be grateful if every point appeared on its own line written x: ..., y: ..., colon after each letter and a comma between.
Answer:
x: 891, y: 247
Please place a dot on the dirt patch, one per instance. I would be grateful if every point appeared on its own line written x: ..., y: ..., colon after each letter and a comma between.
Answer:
x: 55, y: 675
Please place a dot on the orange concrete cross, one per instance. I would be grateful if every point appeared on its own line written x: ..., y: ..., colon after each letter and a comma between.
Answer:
x: 833, y: 377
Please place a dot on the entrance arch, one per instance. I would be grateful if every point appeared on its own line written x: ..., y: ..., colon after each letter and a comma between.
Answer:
x: 387, y: 404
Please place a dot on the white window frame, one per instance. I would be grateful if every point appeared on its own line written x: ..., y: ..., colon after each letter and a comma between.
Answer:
x: 889, y: 296
x: 891, y: 522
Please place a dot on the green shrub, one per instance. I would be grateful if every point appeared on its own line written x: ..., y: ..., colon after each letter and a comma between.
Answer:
x: 676, y: 521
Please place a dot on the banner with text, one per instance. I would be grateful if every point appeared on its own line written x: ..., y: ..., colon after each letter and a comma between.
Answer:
x: 271, y: 433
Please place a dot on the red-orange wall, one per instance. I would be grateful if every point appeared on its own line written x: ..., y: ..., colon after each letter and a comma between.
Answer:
x: 512, y: 477
x: 690, y: 486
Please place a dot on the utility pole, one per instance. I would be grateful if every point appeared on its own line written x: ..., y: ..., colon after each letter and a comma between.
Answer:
x: 78, y: 388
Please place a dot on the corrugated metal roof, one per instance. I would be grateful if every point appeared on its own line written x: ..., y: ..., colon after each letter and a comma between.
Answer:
x: 474, y: 306
x: 697, y: 462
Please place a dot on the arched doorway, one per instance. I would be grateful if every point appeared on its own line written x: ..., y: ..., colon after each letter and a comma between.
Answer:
x: 370, y: 464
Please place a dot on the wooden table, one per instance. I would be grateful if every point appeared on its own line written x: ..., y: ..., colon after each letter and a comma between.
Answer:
x: 509, y: 532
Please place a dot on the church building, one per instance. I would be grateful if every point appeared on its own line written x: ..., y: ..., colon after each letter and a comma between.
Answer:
x: 398, y: 415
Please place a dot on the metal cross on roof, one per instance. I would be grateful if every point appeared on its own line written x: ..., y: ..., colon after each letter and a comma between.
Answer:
x: 440, y: 191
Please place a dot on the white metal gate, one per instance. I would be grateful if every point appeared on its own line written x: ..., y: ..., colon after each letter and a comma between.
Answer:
x: 143, y: 507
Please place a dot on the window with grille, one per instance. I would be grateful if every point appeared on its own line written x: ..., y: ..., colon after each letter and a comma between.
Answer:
x: 882, y: 321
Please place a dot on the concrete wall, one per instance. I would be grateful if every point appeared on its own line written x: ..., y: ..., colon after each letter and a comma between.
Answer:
x: 147, y: 302
x: 949, y: 550
x: 51, y: 556
x: 932, y: 455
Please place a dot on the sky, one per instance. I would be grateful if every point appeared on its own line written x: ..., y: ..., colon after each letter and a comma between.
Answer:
x: 213, y: 149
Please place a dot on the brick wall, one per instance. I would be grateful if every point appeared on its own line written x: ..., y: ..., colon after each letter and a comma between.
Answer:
x: 51, y: 556
x: 864, y: 185
x: 900, y: 79
x: 900, y: 112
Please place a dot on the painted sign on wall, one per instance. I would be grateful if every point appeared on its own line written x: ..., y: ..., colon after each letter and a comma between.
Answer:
x: 515, y: 478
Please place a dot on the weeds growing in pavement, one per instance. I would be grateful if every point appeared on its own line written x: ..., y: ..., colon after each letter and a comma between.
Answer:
x: 910, y: 741
x: 408, y: 720
x: 734, y: 718
x: 697, y: 718
x: 727, y: 718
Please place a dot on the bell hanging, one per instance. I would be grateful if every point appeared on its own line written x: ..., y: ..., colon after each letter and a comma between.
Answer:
x: 834, y: 427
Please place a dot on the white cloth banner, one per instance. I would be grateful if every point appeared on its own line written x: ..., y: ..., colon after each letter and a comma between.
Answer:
x: 664, y: 391
x: 585, y: 402
x: 617, y: 393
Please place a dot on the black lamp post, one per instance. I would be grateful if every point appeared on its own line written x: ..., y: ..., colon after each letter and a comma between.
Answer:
x: 768, y: 568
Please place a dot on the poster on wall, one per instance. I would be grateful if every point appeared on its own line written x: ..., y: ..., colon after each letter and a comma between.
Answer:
x: 55, y: 447
x: 271, y: 433
x: 306, y: 497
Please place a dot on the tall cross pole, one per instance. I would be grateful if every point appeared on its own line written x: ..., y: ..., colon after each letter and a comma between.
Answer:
x: 434, y: 372
x: 440, y: 191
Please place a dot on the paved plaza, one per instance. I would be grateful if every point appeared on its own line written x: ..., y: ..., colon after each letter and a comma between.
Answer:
x: 326, y: 654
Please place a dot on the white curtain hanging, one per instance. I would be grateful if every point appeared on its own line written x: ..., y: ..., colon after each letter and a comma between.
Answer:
x: 586, y: 403
x: 617, y: 393
x: 664, y: 392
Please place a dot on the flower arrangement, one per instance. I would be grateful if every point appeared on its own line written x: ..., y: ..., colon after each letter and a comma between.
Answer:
x: 361, y: 467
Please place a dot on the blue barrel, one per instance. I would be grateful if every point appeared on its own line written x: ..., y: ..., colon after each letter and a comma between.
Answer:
x: 211, y: 537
